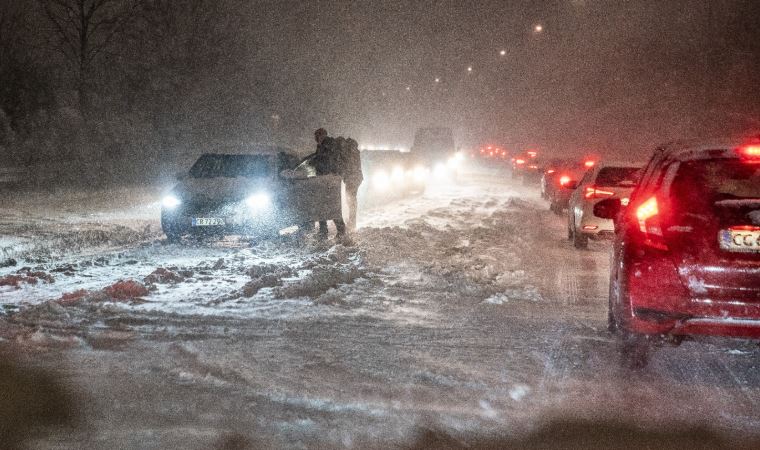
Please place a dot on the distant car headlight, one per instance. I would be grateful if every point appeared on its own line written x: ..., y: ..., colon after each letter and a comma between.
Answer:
x: 381, y: 180
x: 456, y: 161
x: 170, y: 202
x: 259, y: 201
x: 420, y: 174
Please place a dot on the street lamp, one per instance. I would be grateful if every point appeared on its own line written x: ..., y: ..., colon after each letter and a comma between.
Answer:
x: 503, y: 52
x: 538, y: 28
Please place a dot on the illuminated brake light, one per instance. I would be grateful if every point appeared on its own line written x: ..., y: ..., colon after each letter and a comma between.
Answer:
x: 532, y: 154
x: 744, y: 228
x: 563, y: 180
x: 750, y: 151
x: 593, y: 192
x: 590, y: 227
x: 647, y: 215
x: 589, y: 164
x: 646, y: 211
x: 519, y: 161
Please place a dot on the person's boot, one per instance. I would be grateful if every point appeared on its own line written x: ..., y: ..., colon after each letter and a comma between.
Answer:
x: 322, y: 233
x: 341, y: 227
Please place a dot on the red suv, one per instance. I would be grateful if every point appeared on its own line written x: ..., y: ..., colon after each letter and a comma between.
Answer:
x: 686, y: 257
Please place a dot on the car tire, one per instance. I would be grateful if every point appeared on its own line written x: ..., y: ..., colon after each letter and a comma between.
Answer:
x: 580, y: 240
x: 635, y: 350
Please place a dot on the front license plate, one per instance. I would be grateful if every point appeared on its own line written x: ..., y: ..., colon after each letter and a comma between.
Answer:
x: 738, y: 240
x: 207, y: 221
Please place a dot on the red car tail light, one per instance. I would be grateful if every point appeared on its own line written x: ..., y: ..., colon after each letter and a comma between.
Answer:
x: 648, y: 218
x: 750, y: 152
x: 593, y: 192
x: 589, y: 164
x: 563, y: 180
x: 519, y: 161
x: 550, y: 171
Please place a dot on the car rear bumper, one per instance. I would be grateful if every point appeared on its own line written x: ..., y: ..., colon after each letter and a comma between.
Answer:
x: 659, y: 303
x: 655, y: 322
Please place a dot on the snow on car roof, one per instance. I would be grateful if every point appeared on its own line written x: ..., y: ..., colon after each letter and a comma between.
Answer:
x: 698, y: 149
x: 603, y: 163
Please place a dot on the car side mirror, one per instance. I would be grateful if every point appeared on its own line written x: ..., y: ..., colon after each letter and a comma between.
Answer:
x: 181, y: 175
x: 572, y: 185
x: 608, y: 208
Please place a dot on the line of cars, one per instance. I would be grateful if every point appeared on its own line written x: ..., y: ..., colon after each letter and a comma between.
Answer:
x: 685, y: 228
x: 256, y: 192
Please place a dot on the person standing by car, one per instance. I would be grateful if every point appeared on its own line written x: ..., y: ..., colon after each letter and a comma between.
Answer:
x: 327, y: 161
x: 340, y: 156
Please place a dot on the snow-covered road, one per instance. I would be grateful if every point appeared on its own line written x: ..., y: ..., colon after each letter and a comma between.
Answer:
x: 465, y: 311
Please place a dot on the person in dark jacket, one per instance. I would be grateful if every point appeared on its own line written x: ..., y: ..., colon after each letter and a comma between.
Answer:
x: 327, y: 160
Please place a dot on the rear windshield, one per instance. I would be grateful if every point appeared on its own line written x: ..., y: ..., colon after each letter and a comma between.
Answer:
x: 724, y: 182
x: 232, y: 166
x: 618, y: 176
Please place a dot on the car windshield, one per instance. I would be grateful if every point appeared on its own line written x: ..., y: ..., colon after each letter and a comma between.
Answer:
x: 618, y: 176
x: 232, y: 166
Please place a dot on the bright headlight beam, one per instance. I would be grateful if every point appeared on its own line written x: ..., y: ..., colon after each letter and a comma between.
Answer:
x: 259, y: 200
x: 170, y: 201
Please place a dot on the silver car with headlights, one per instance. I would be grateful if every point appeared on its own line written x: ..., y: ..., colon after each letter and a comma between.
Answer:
x: 247, y: 194
x: 606, y: 180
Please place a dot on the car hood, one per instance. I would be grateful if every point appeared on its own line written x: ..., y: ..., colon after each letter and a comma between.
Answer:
x: 218, y: 190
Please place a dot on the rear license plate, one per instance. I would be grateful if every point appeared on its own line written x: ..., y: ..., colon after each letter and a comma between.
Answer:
x: 207, y: 221
x: 740, y: 240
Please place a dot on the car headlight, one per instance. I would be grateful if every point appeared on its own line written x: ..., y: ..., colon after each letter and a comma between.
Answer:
x: 456, y: 161
x: 420, y: 174
x: 258, y: 201
x: 170, y: 202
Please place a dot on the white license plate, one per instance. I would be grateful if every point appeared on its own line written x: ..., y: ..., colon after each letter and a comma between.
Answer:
x: 207, y: 221
x: 740, y: 240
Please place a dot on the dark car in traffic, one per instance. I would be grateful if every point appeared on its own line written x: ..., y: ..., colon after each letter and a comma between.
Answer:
x: 686, y: 258
x: 246, y: 194
x: 558, y: 174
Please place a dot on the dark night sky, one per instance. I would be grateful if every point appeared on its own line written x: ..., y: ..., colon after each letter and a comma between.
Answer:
x: 607, y: 76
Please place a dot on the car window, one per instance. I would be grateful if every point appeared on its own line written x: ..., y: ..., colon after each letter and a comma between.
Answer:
x: 307, y: 166
x: 699, y: 186
x: 232, y: 166
x: 618, y: 176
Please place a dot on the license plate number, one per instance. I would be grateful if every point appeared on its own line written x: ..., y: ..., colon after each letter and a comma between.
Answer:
x: 207, y: 221
x: 740, y: 240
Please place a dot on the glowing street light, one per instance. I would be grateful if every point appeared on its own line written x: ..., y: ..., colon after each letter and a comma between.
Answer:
x: 469, y: 69
x: 538, y: 28
x: 437, y: 80
x: 503, y: 52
